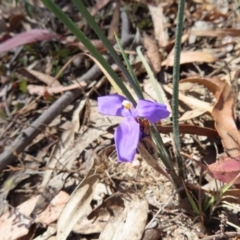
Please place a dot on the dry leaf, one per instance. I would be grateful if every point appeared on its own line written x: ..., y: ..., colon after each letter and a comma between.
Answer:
x: 16, y: 224
x: 99, y: 217
x: 192, y: 114
x: 15, y: 20
x: 134, y: 225
x: 125, y: 223
x: 48, y: 234
x: 76, y: 206
x: 98, y: 44
x: 85, y: 226
x: 189, y: 129
x: 225, y: 170
x: 159, y: 21
x: 98, y: 6
x: 152, y: 53
x: 212, y: 84
x: 224, y: 122
x: 65, y: 144
x: 190, y: 57
x: 42, y: 90
x: 115, y: 21
x: 217, y: 33
x: 48, y: 80
x: 191, y: 101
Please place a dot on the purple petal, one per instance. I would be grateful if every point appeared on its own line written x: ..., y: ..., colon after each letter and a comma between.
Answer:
x: 126, y: 137
x: 111, y: 105
x: 151, y: 110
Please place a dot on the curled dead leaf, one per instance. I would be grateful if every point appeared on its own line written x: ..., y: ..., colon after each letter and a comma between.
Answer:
x: 225, y: 123
x: 152, y: 53
x: 16, y: 224
x: 225, y: 170
x: 42, y: 90
x: 189, y: 57
x: 217, y: 33
x: 48, y: 80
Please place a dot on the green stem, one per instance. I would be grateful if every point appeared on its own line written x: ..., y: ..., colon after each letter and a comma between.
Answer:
x: 85, y: 41
x: 164, y: 155
x: 91, y: 21
x: 176, y: 69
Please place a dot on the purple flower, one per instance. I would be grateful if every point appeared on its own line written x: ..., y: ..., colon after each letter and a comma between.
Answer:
x: 128, y: 132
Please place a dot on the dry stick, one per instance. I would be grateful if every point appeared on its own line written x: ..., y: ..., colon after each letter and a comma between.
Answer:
x: 26, y: 137
x: 221, y: 236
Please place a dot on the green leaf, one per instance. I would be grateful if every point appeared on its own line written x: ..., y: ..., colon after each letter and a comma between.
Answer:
x: 150, y: 74
x: 192, y: 202
x: 209, y: 202
x: 129, y: 67
x: 107, y: 44
x: 23, y: 86
x: 87, y: 43
x: 176, y: 76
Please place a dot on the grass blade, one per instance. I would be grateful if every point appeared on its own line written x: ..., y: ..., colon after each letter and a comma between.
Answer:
x: 150, y: 74
x: 176, y: 69
x: 82, y: 38
x: 129, y: 67
x: 90, y: 20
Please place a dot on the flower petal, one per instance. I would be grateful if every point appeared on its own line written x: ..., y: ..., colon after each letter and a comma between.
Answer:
x: 111, y: 105
x: 126, y: 137
x: 151, y: 110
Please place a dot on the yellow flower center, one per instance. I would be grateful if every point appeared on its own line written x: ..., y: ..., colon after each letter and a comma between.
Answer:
x: 126, y: 104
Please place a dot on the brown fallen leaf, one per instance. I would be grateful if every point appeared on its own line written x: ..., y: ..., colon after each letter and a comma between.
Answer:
x: 191, y: 101
x: 42, y: 90
x: 16, y: 19
x: 76, y: 206
x: 217, y: 33
x: 152, y: 53
x: 98, y: 6
x: 189, y: 57
x: 96, y: 221
x: 86, y: 226
x: 213, y: 86
x: 16, y: 223
x: 192, y: 114
x: 115, y: 22
x: 98, y: 44
x: 128, y: 222
x: 158, y: 18
x: 48, y: 80
x: 226, y: 170
x: 224, y: 122
x: 189, y: 129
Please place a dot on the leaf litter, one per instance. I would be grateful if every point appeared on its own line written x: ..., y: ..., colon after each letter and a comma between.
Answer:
x: 66, y: 182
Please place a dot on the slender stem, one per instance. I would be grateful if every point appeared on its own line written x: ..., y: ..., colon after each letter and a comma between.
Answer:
x: 176, y: 70
x: 82, y: 38
x: 90, y: 20
x: 164, y: 155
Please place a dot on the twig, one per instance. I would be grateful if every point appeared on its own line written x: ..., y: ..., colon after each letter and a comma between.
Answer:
x: 26, y: 137
x: 220, y: 236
